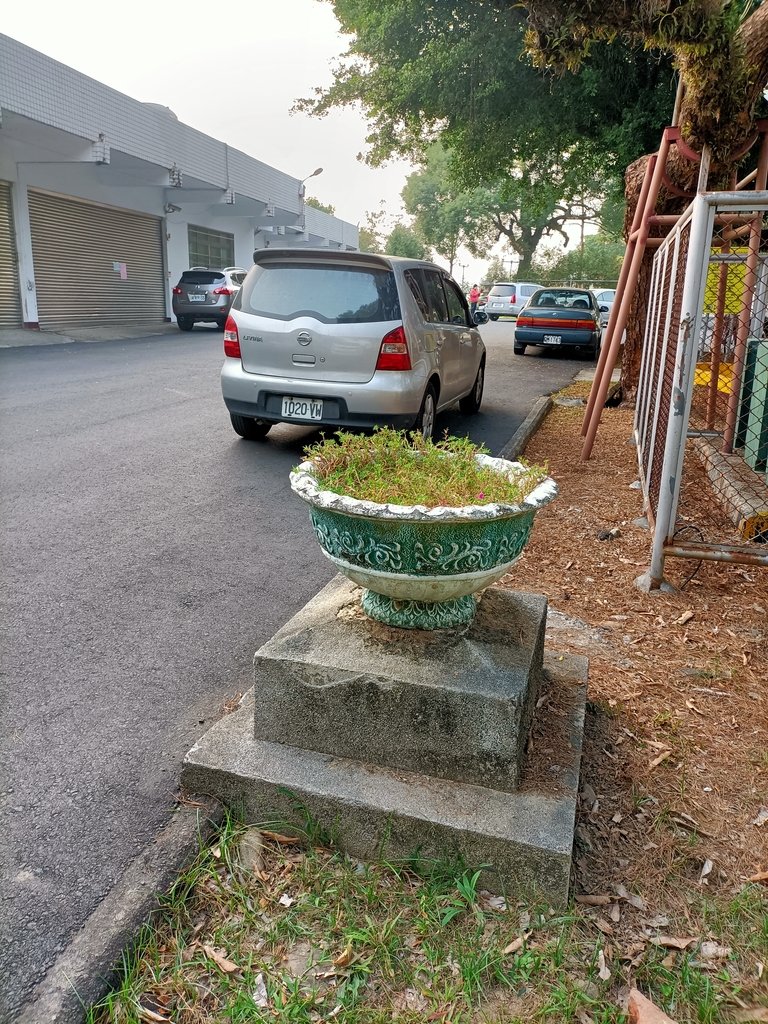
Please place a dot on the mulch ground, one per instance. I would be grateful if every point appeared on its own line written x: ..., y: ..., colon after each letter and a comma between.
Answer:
x: 675, y: 770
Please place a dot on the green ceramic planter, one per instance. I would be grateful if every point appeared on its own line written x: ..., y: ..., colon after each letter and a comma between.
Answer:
x: 420, y: 567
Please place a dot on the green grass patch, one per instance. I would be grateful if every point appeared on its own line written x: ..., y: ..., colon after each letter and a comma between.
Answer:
x: 312, y: 935
x: 391, y: 466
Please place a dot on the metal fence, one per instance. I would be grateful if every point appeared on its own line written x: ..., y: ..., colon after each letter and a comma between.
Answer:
x: 701, y: 421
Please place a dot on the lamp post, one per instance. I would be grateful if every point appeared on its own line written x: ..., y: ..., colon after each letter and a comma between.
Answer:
x: 303, y: 192
x: 463, y: 267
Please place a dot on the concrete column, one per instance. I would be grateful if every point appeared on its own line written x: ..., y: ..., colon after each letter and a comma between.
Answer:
x: 26, y: 267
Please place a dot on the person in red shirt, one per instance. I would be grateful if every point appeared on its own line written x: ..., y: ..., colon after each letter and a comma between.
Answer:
x: 474, y: 295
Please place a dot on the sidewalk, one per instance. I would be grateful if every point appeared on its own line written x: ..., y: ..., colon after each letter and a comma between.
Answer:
x: 19, y: 337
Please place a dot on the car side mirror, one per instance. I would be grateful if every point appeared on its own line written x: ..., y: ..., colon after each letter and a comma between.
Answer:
x: 480, y: 317
x: 603, y: 309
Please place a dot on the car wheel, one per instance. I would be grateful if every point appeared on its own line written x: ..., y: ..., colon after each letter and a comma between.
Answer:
x: 470, y: 403
x: 493, y: 316
x: 185, y: 323
x: 425, y: 421
x: 250, y: 429
x: 519, y: 350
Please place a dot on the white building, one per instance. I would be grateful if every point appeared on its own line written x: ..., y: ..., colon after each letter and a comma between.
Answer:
x: 104, y: 200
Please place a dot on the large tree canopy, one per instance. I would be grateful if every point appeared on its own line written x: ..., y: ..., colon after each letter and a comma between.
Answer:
x: 720, y: 48
x: 457, y: 70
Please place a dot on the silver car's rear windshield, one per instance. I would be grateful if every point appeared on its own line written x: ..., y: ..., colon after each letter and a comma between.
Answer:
x: 331, y: 294
x: 502, y: 289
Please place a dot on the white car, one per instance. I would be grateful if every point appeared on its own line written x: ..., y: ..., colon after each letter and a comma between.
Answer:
x: 605, y: 297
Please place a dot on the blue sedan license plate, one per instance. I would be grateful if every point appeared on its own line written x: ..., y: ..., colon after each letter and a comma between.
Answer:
x: 302, y: 408
x: 552, y: 339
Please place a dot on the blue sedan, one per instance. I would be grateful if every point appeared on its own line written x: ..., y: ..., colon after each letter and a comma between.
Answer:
x: 562, y: 317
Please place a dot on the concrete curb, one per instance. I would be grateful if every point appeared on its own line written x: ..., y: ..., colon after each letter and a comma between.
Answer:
x: 82, y: 972
x: 516, y: 445
x: 25, y: 338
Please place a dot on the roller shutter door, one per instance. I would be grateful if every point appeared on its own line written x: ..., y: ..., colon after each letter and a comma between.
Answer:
x: 95, y: 264
x: 10, y: 302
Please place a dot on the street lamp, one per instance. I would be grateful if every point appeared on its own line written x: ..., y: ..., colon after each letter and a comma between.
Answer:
x: 303, y: 192
x: 314, y: 174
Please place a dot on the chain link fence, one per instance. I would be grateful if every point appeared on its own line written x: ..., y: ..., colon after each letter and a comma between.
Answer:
x: 701, y: 423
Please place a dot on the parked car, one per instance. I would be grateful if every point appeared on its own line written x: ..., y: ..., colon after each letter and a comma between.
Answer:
x: 205, y: 295
x: 348, y: 339
x: 507, y: 298
x: 559, y: 316
x: 605, y: 297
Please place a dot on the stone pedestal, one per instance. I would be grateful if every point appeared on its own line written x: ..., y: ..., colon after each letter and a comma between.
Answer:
x: 399, y: 742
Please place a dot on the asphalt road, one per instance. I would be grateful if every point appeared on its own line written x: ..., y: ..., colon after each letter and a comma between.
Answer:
x: 147, y: 552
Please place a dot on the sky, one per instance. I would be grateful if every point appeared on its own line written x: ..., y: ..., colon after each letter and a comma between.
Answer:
x: 233, y: 72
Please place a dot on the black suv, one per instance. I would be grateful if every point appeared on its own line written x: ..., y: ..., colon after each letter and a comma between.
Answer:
x: 205, y: 295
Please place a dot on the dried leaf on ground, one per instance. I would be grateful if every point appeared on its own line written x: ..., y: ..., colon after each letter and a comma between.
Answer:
x: 756, y: 1013
x: 344, y: 958
x: 594, y: 901
x: 220, y: 960
x: 673, y: 942
x: 278, y: 837
x: 603, y: 971
x: 642, y: 1011
x: 259, y: 991
x: 636, y: 901
x: 150, y: 1015
x: 714, y: 951
x: 515, y: 944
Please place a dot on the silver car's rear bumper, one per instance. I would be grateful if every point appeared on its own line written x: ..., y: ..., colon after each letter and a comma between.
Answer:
x: 388, y: 397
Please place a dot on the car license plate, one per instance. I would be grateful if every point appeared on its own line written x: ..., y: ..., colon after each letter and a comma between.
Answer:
x: 302, y: 408
x: 195, y: 298
x: 552, y: 339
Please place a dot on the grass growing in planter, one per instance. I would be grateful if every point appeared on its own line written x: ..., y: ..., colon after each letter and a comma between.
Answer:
x: 389, y: 466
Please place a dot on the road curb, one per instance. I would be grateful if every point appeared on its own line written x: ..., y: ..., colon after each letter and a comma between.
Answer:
x: 516, y: 445
x: 83, y: 971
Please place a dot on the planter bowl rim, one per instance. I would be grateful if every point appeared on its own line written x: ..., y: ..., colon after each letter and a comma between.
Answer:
x: 305, y: 484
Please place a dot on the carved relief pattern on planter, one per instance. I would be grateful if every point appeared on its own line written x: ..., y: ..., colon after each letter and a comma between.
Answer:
x: 419, y: 614
x: 422, y: 548
x: 471, y: 556
x: 357, y: 547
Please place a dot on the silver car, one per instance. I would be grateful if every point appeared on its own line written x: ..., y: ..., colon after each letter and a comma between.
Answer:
x: 348, y: 339
x: 605, y: 297
x: 205, y: 295
x: 507, y: 298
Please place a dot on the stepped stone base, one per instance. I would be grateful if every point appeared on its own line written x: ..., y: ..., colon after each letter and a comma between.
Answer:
x: 453, y: 704
x: 524, y: 837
